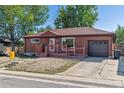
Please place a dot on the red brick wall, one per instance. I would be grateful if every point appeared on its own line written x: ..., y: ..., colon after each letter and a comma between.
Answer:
x: 80, y: 43
x: 83, y: 41
x: 34, y: 47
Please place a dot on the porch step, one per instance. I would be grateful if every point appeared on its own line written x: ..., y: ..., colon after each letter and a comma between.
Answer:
x: 41, y: 55
x: 58, y: 54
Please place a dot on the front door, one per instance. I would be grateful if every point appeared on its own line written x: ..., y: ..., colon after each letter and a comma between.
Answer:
x: 52, y: 44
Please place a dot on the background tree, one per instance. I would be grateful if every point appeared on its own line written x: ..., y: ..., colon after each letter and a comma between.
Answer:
x: 76, y: 16
x: 119, y: 35
x: 17, y: 21
x: 46, y: 28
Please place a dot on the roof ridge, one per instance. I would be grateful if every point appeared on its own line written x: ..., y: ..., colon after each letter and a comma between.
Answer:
x: 102, y: 30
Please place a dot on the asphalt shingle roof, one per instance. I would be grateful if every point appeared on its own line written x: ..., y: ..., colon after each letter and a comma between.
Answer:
x: 75, y: 31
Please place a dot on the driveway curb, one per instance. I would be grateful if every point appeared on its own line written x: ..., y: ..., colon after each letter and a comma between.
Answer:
x: 62, y: 78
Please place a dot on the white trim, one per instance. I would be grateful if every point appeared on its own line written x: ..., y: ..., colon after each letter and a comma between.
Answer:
x: 67, y: 38
x: 53, y: 40
x: 33, y: 41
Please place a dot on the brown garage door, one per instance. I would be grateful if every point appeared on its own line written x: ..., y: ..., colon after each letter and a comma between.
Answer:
x: 98, y: 48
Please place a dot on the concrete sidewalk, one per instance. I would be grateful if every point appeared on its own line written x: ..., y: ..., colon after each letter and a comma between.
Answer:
x: 90, y: 82
x: 110, y: 70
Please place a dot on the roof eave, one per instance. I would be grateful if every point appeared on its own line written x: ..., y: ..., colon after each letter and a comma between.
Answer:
x: 72, y: 35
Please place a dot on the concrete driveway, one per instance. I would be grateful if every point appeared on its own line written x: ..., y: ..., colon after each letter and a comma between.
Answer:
x: 95, y: 67
x: 89, y: 67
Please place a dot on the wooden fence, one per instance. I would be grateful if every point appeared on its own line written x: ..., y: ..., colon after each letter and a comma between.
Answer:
x: 20, y: 50
x: 121, y: 48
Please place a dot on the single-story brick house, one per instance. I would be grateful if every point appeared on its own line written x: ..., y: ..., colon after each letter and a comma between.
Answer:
x: 83, y: 41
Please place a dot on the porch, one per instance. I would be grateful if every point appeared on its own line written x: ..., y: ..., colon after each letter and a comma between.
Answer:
x: 68, y: 52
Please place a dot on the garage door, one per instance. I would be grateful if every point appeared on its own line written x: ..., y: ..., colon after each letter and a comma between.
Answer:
x: 98, y: 48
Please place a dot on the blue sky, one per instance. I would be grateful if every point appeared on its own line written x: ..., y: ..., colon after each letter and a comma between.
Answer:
x: 109, y: 16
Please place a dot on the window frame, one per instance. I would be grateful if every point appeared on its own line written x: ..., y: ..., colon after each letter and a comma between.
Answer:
x: 32, y: 41
x: 65, y: 38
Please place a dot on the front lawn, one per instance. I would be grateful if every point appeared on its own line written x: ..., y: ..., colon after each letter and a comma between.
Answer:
x: 44, y: 65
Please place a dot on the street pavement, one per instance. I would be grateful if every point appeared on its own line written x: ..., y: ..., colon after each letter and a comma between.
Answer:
x: 12, y: 81
x: 20, y: 82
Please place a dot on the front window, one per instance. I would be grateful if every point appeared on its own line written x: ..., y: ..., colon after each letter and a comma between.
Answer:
x: 35, y: 40
x: 68, y: 42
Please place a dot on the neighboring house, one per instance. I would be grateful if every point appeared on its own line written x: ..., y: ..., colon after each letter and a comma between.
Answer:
x: 83, y: 41
x: 4, y: 42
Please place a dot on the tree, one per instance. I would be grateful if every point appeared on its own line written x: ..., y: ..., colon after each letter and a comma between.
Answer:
x: 17, y: 21
x: 46, y: 28
x: 119, y: 35
x: 76, y: 16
